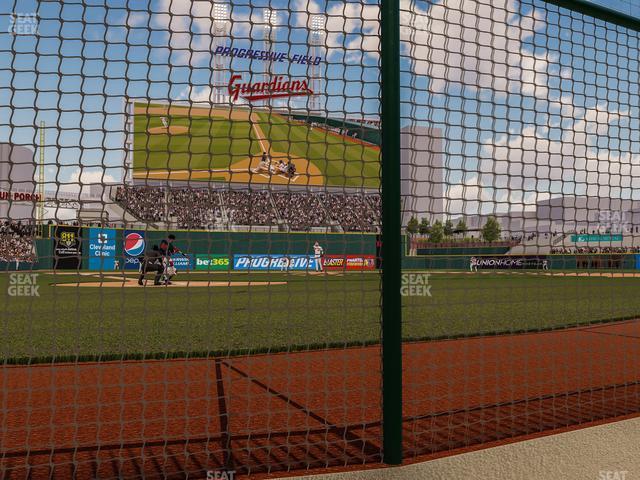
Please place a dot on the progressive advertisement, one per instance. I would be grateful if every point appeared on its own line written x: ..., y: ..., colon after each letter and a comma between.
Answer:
x: 265, y: 262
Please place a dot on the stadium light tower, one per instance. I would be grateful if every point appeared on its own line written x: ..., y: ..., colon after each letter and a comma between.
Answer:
x: 41, y: 176
x: 220, y: 31
x: 318, y: 23
x: 270, y: 23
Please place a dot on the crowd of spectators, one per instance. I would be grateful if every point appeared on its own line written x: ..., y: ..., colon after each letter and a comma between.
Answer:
x: 16, y: 242
x: 17, y: 229
x: 202, y: 208
x: 353, y: 212
x: 194, y: 208
x: 249, y: 207
x: 145, y: 203
x: 587, y: 250
x: 300, y: 210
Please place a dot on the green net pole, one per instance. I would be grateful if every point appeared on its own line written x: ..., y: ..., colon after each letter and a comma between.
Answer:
x: 391, y: 225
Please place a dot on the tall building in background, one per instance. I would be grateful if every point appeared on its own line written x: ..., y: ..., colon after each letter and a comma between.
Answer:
x: 422, y: 174
x: 17, y: 176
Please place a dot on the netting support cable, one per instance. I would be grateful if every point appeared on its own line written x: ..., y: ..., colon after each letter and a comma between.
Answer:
x: 602, y: 12
x: 391, y: 229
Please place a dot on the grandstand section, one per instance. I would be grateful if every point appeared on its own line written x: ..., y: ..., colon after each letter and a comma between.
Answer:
x: 217, y: 208
x: 17, y: 243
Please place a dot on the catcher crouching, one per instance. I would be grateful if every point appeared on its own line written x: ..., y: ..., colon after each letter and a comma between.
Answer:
x: 152, y: 261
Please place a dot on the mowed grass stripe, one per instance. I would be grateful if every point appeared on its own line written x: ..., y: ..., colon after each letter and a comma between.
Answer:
x: 308, y: 312
x: 211, y: 143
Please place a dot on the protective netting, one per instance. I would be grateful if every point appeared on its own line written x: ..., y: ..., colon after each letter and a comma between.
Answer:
x: 519, y: 309
x: 190, y: 216
x: 190, y: 246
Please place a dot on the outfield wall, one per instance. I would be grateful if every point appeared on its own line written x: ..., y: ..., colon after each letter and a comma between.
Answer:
x: 97, y: 248
x: 228, y: 244
x: 555, y: 262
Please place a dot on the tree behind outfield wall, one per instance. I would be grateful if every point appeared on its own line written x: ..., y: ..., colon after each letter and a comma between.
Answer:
x: 412, y: 225
x: 462, y: 228
x: 424, y: 226
x: 491, y: 230
x: 436, y: 232
x: 448, y: 228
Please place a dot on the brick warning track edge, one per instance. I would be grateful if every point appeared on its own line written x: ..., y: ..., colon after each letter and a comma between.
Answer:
x: 268, y: 414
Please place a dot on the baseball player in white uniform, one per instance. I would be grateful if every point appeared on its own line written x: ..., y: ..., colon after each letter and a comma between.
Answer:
x: 474, y: 264
x: 285, y: 263
x: 318, y: 253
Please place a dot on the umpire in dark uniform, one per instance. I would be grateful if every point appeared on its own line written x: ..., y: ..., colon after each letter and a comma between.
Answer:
x: 152, y: 262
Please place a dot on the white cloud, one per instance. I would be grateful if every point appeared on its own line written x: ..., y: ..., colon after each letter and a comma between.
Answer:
x: 79, y: 180
x: 468, y: 197
x: 477, y: 43
x: 525, y: 167
x: 191, y: 28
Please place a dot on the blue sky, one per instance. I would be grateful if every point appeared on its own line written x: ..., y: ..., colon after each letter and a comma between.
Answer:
x: 87, y: 57
x: 513, y: 81
x: 531, y: 101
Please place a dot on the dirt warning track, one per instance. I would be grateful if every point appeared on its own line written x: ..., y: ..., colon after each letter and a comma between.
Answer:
x: 269, y: 413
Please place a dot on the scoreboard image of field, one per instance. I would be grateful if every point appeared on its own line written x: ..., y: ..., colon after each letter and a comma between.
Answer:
x: 181, y: 142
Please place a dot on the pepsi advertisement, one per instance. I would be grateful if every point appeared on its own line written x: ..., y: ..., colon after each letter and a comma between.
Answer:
x: 133, y: 248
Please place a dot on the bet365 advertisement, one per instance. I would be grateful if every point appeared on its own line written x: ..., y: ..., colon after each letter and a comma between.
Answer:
x: 213, y: 262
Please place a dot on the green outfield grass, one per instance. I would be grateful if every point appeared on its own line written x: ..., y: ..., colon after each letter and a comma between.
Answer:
x: 66, y: 323
x: 211, y: 143
x: 343, y: 162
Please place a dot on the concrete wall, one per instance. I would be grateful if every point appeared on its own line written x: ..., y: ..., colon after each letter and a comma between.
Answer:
x: 605, y: 452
